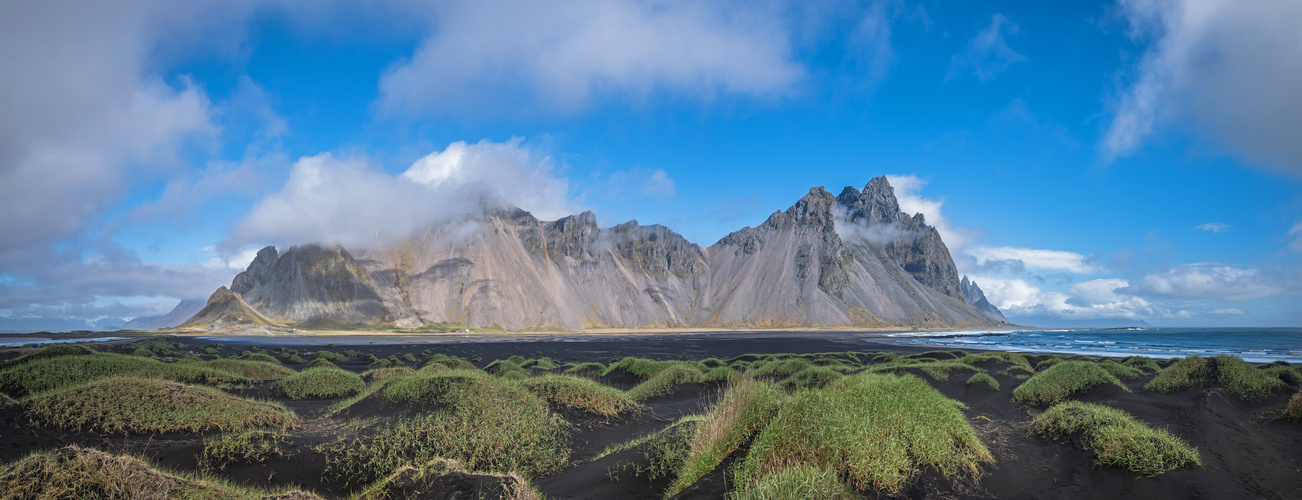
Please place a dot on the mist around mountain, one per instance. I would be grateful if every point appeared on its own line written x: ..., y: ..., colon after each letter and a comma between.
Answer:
x: 854, y: 259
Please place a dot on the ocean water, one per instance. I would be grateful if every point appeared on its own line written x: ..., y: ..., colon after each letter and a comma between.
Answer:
x: 1258, y: 345
x: 18, y: 340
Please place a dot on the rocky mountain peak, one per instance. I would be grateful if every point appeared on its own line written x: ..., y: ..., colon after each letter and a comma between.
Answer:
x: 875, y: 204
x: 973, y: 295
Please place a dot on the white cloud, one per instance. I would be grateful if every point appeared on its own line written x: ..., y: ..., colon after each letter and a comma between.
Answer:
x: 907, y: 192
x: 1089, y: 300
x: 1214, y: 227
x: 511, y: 54
x: 1031, y: 258
x: 1229, y: 311
x: 347, y: 201
x: 1211, y: 281
x: 1224, y: 69
x: 1296, y: 234
x: 987, y: 53
x: 658, y: 185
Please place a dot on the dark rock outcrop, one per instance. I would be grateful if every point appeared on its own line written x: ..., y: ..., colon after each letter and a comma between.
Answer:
x: 973, y: 295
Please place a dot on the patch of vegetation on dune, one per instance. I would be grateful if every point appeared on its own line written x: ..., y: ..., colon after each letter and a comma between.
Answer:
x: 1142, y: 363
x: 249, y: 446
x: 583, y: 369
x: 321, y: 382
x: 140, y: 405
x: 664, y: 383
x: 1012, y: 358
x: 1231, y: 372
x: 1293, y: 410
x: 259, y: 356
x: 481, y: 421
x: 76, y: 472
x: 382, y: 374
x: 1062, y: 380
x: 255, y: 370
x: 984, y: 378
x: 647, y: 368
x: 1121, y: 371
x: 581, y: 394
x: 54, y: 351
x: 442, y: 478
x: 877, y: 431
x: 812, y: 377
x: 939, y: 371
x: 448, y: 362
x: 744, y: 409
x: 778, y: 369
x: 796, y: 482
x: 1117, y: 439
x: 52, y: 373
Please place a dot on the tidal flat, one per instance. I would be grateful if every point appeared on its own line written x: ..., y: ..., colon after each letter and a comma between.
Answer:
x: 736, y: 415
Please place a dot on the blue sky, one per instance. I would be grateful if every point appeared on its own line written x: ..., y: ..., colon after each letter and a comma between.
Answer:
x: 1085, y: 161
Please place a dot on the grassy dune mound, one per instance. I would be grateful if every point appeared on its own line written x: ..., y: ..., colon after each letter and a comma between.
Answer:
x: 745, y: 408
x: 665, y: 382
x: 483, y: 422
x: 1247, y: 382
x: 1061, y: 380
x: 443, y: 478
x: 1117, y: 439
x: 796, y: 482
x: 52, y: 373
x: 581, y: 394
x: 76, y: 472
x: 139, y: 405
x: 255, y: 370
x: 876, y: 431
x: 1293, y: 410
x: 54, y: 351
x: 939, y: 371
x: 321, y: 382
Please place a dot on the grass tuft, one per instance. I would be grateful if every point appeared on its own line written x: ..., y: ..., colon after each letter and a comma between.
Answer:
x: 911, y: 425
x: 1117, y: 439
x: 581, y: 394
x: 1293, y: 410
x: 1231, y: 372
x: 1121, y: 371
x: 745, y: 408
x: 254, y: 370
x: 64, y: 371
x: 796, y: 482
x: 382, y: 374
x: 1144, y: 364
x: 322, y: 382
x: 137, y: 405
x: 250, y: 446
x: 54, y: 351
x: 812, y: 377
x: 1061, y: 380
x: 664, y: 383
x: 983, y: 378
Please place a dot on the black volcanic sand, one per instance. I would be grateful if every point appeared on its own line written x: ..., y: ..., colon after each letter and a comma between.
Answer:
x: 1245, y: 453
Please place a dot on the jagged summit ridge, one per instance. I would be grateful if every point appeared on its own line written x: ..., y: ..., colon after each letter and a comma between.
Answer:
x: 850, y: 259
x: 973, y: 295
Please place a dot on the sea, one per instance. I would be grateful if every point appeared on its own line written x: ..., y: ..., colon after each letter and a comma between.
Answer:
x: 18, y: 340
x: 1257, y: 345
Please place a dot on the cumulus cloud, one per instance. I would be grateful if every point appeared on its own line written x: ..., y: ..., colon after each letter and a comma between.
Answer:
x: 1032, y: 258
x: 987, y: 53
x: 1213, y: 281
x: 1228, y: 311
x: 1088, y: 300
x: 1214, y: 227
x: 658, y: 185
x: 1295, y: 233
x: 348, y: 201
x: 508, y: 54
x: 1226, y: 70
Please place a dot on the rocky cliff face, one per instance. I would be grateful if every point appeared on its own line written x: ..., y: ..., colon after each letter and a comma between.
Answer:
x: 827, y: 260
x: 973, y: 295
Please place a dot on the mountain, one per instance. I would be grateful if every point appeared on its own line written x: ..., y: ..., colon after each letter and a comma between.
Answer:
x: 852, y: 259
x: 973, y: 295
x: 176, y: 316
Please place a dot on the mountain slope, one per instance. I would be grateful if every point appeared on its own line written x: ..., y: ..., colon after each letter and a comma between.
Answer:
x: 852, y: 259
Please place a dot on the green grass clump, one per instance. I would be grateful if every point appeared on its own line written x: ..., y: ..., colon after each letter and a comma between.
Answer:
x: 502, y: 367
x: 939, y: 371
x: 745, y: 408
x: 1012, y: 358
x: 581, y: 394
x: 720, y: 374
x: 583, y: 369
x: 250, y: 446
x: 382, y: 374
x: 910, y: 426
x: 54, y: 351
x: 431, y: 479
x: 647, y: 368
x: 1244, y: 380
x: 76, y: 472
x: 64, y: 371
x: 985, y: 379
x: 796, y: 482
x: 139, y: 405
x: 1145, y: 364
x: 664, y: 383
x: 1062, y: 380
x: 1293, y: 410
x: 322, y: 382
x: 255, y: 370
x: 812, y: 377
x: 780, y: 369
x: 453, y: 363
x: 1117, y: 439
x: 331, y: 356
x: 1231, y: 372
x: 1121, y: 371
x: 481, y: 421
x: 320, y: 363
x: 543, y: 363
x: 1186, y: 373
